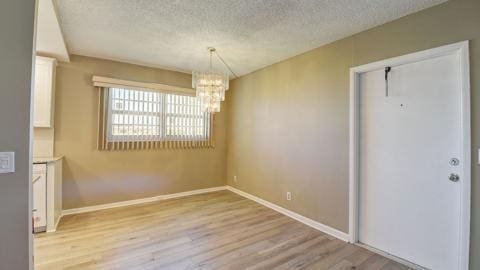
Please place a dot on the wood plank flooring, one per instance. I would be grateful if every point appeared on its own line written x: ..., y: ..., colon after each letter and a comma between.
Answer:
x: 218, y: 230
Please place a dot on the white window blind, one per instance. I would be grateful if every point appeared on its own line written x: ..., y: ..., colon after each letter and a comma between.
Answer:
x: 138, y: 119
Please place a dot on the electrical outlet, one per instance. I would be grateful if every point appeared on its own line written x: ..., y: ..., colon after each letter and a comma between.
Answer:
x: 235, y: 180
x: 289, y: 196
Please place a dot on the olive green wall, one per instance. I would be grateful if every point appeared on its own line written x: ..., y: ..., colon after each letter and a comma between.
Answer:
x: 92, y: 177
x: 288, y: 123
x: 16, y: 54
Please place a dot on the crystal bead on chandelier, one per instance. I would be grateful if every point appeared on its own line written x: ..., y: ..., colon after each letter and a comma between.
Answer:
x: 210, y: 86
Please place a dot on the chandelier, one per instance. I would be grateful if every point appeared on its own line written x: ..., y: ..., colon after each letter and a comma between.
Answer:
x: 210, y: 86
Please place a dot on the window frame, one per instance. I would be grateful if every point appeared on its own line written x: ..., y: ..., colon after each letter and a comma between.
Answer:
x: 162, y: 117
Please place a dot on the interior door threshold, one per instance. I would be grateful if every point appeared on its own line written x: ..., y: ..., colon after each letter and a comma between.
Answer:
x: 392, y: 257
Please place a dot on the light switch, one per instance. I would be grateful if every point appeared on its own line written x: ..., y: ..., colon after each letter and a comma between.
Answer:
x: 7, y: 162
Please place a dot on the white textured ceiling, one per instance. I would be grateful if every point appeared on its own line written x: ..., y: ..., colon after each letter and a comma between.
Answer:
x: 249, y: 34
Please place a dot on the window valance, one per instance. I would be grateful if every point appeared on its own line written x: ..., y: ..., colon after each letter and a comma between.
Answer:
x: 107, y: 82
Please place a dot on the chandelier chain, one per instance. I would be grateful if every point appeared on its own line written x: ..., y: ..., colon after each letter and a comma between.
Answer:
x: 211, y: 66
x: 225, y: 63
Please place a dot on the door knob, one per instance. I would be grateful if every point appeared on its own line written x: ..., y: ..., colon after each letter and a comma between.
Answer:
x: 454, y: 177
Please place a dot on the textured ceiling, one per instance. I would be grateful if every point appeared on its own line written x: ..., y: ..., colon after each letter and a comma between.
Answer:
x: 248, y: 34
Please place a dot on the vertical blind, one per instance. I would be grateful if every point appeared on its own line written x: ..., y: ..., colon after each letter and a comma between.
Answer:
x: 138, y: 119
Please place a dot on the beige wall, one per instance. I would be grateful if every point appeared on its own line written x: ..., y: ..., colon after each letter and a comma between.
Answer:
x: 288, y: 123
x: 16, y: 52
x: 92, y: 177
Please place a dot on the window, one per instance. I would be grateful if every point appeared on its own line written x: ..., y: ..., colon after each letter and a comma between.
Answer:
x: 145, y: 119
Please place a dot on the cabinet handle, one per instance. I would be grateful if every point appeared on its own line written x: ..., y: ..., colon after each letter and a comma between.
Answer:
x: 34, y: 210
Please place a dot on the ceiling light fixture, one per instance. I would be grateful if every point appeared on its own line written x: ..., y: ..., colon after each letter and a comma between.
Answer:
x: 210, y: 86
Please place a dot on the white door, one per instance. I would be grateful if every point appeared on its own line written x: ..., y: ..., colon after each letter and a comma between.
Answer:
x: 408, y: 206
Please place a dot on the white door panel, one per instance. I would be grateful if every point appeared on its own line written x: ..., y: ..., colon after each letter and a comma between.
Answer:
x: 39, y: 197
x: 407, y: 205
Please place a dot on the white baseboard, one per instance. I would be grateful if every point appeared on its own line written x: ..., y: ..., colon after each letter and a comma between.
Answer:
x: 139, y: 201
x: 309, y: 222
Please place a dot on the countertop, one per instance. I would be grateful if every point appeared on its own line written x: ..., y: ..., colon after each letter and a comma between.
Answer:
x: 37, y: 160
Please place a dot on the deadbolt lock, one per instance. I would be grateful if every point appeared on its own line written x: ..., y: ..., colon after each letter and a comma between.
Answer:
x: 454, y: 177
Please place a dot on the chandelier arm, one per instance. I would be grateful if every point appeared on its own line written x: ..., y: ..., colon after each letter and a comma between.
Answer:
x: 225, y: 63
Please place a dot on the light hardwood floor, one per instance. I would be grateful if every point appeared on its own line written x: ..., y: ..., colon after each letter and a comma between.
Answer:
x: 219, y: 230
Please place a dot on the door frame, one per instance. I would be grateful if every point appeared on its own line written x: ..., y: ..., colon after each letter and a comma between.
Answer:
x: 461, y: 50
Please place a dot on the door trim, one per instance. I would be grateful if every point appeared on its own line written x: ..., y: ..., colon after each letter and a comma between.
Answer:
x: 461, y: 50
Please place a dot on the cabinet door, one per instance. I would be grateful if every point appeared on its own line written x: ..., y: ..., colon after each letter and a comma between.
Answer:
x: 43, y: 92
x: 40, y: 200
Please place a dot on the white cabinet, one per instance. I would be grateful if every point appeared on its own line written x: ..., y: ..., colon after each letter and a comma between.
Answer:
x: 47, y: 194
x: 44, y: 92
x: 39, y: 197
